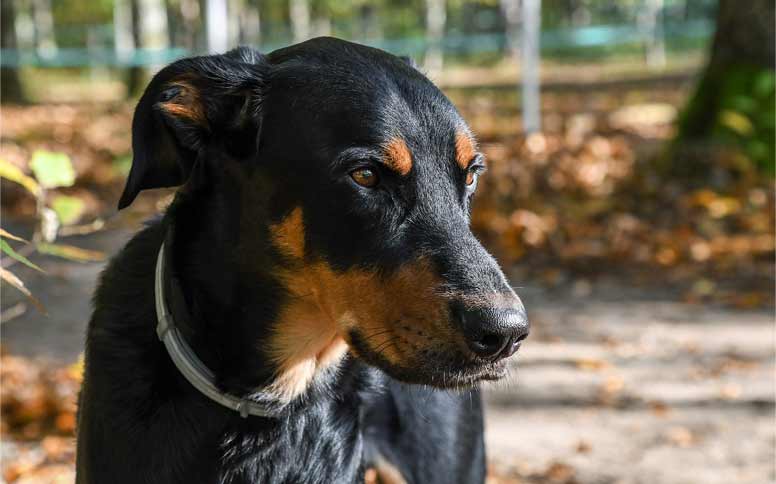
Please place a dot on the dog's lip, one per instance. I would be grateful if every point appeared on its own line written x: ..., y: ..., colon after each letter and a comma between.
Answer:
x: 492, y: 372
x: 468, y: 377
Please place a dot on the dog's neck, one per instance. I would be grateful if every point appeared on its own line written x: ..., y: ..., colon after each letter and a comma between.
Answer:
x: 257, y: 331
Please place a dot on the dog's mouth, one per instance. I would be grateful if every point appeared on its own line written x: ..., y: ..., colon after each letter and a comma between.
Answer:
x: 436, y: 366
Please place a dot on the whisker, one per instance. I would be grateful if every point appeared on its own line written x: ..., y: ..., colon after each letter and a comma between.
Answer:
x: 383, y: 344
x: 374, y: 335
x: 387, y: 345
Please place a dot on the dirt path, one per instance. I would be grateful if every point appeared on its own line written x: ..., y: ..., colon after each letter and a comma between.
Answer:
x: 636, y: 391
x: 614, y: 387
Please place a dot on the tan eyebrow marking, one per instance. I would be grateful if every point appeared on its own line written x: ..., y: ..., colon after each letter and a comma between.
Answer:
x: 398, y: 156
x: 465, y: 149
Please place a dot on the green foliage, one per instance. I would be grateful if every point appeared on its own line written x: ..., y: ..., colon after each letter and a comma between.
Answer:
x: 9, y: 277
x: 68, y: 209
x: 122, y: 164
x: 733, y: 106
x: 82, y: 12
x: 746, y: 117
x: 52, y: 170
x: 13, y: 173
x: 10, y: 252
x: 70, y: 252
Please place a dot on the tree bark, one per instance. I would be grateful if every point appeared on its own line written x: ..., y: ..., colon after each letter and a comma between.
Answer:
x: 250, y: 24
x: 530, y: 65
x: 651, y: 23
x: 733, y: 104
x: 191, y: 15
x: 745, y: 34
x: 10, y: 86
x: 217, y: 21
x: 45, y: 40
x: 299, y: 12
x: 511, y: 11
x: 134, y: 80
x: 744, y: 40
x: 234, y: 10
x: 436, y: 18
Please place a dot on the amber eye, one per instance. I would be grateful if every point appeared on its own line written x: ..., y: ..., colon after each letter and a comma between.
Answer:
x: 471, y: 175
x: 366, y: 177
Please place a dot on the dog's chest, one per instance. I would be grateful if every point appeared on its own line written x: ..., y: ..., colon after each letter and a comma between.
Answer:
x: 313, y: 449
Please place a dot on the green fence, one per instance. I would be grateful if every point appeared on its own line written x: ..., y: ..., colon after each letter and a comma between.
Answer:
x: 552, y: 41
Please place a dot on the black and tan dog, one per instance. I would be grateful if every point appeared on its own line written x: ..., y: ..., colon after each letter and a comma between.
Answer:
x: 318, y: 271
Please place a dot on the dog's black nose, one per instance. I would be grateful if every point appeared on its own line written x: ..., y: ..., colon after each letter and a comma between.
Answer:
x: 494, y: 333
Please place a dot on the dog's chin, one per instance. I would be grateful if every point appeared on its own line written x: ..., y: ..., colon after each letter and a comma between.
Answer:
x: 452, y: 377
x: 450, y: 370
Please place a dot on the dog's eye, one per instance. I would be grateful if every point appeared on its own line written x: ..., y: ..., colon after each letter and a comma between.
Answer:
x: 472, y: 173
x: 366, y: 177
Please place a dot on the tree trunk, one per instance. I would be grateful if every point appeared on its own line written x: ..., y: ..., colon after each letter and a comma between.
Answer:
x: 368, y: 26
x: 651, y: 23
x: 10, y: 85
x: 173, y: 22
x: 299, y: 11
x: 190, y: 11
x: 322, y: 24
x: 154, y: 25
x: 135, y: 76
x: 531, y: 95
x: 511, y: 11
x: 744, y: 41
x: 217, y: 21
x: 734, y: 101
x: 436, y: 18
x: 123, y: 34
x: 235, y: 12
x: 45, y: 41
x: 250, y: 24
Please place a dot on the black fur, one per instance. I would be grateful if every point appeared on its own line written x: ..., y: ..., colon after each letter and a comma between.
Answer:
x: 273, y: 133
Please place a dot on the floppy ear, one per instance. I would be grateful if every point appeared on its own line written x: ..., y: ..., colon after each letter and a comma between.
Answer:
x: 186, y: 106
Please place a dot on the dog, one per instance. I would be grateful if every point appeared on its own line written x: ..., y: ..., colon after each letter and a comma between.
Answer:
x: 312, y: 307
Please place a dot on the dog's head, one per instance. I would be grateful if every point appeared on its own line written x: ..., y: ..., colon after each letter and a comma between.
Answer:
x: 365, y: 174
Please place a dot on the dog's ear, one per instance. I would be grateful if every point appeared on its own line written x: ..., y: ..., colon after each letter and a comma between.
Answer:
x: 188, y: 105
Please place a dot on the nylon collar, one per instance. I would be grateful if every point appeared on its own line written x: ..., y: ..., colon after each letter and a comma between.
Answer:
x: 187, y: 362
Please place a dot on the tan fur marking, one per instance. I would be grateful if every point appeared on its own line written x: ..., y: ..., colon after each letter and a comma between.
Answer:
x: 312, y: 332
x: 186, y: 104
x: 465, y: 149
x: 370, y: 476
x: 289, y: 235
x: 305, y: 341
x: 387, y: 473
x: 361, y: 300
x: 398, y: 157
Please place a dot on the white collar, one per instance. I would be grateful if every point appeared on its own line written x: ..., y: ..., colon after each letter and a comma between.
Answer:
x: 187, y: 362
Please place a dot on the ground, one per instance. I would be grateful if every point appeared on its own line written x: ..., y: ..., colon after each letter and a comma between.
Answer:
x: 616, y: 387
x: 615, y: 384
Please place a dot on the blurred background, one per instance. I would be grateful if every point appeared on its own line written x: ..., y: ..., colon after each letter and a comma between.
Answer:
x: 630, y: 197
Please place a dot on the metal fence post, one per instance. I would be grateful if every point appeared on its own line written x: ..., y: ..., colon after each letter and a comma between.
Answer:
x: 217, y: 20
x: 532, y: 19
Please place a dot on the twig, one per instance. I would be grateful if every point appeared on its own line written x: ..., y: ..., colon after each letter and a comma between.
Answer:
x: 13, y: 312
